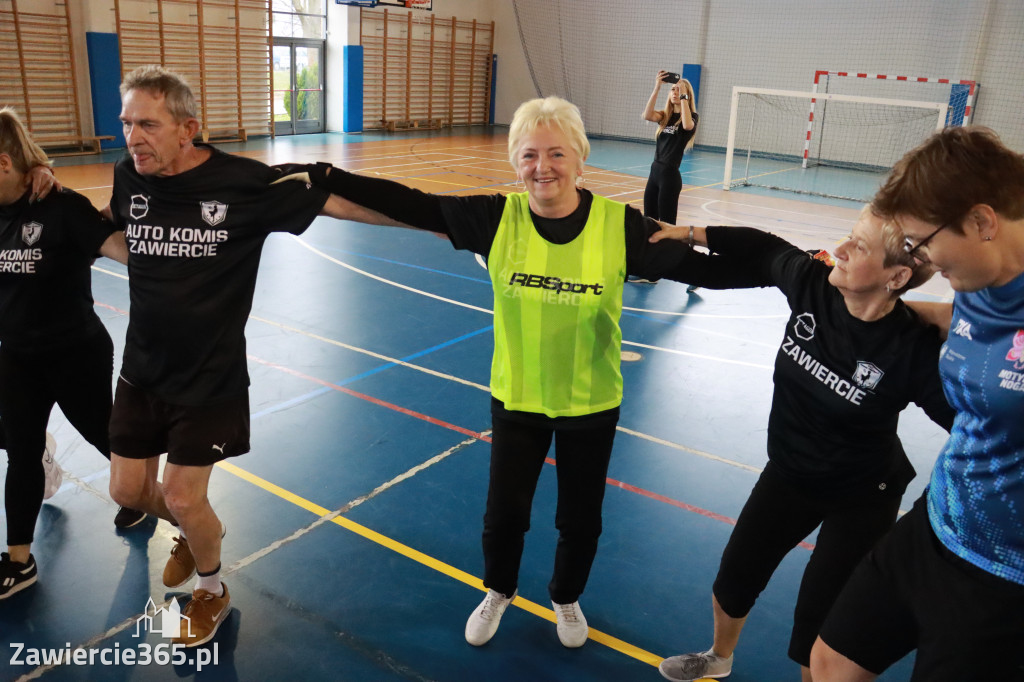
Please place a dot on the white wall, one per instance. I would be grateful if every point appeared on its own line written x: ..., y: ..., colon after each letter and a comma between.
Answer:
x: 603, y: 54
x: 342, y: 29
x: 515, y: 85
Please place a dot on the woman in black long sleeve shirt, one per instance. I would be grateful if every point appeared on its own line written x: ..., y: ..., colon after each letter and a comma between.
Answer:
x: 557, y: 256
x: 852, y: 358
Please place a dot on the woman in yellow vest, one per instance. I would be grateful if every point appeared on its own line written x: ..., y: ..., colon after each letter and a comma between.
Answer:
x: 558, y: 256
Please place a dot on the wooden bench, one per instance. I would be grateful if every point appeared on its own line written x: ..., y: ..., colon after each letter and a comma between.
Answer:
x: 224, y: 135
x: 413, y: 124
x: 71, y: 145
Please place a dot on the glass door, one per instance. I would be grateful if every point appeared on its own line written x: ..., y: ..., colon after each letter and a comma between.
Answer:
x: 298, y: 86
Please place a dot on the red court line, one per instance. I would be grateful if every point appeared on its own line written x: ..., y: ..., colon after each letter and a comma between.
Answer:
x: 371, y: 399
x: 110, y: 307
x: 479, y: 436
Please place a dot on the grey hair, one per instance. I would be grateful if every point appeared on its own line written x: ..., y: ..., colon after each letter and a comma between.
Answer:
x: 178, y: 97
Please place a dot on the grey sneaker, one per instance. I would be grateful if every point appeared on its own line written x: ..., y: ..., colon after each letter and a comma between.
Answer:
x: 484, y: 620
x: 54, y: 474
x: 689, y: 667
x: 572, y: 626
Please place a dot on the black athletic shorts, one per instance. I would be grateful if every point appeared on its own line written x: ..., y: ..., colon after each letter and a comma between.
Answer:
x: 143, y: 426
x: 912, y: 592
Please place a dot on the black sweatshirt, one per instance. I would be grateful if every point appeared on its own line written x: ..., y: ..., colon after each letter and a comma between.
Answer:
x: 840, y: 382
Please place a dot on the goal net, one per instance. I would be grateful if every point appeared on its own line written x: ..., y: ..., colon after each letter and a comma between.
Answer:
x: 959, y: 93
x: 856, y: 140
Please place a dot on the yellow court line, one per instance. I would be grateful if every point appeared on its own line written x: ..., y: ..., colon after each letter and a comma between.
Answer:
x: 429, y: 561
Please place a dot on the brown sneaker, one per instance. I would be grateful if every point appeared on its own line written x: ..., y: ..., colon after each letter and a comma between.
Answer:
x: 181, y: 566
x: 202, y: 616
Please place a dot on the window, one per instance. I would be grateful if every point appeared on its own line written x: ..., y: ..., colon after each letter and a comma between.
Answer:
x: 300, y: 18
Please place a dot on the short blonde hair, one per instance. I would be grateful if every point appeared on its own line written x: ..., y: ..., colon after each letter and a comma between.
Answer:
x: 548, y: 111
x: 16, y: 143
x: 893, y: 241
x: 178, y: 97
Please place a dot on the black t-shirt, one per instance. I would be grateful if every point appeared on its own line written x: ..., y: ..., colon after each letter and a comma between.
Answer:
x: 46, y: 250
x: 840, y: 382
x: 672, y: 140
x: 194, y: 242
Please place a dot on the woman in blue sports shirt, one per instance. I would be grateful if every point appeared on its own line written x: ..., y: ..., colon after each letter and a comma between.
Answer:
x: 949, y: 580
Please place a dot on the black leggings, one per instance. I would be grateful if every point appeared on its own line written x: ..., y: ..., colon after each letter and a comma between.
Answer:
x: 661, y: 196
x: 518, y: 451
x: 776, y: 518
x: 77, y: 378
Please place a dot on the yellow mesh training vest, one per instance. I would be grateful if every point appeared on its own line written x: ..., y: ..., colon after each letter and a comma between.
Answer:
x: 557, y: 339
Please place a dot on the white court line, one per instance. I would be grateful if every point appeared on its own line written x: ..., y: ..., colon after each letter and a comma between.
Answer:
x: 245, y: 561
x: 683, y: 448
x: 482, y: 263
x: 388, y: 281
x: 372, y: 354
x: 696, y: 355
x: 486, y: 389
x: 491, y: 312
x: 762, y: 209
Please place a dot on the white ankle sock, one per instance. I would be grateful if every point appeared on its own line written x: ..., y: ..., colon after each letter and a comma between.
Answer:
x: 211, y: 583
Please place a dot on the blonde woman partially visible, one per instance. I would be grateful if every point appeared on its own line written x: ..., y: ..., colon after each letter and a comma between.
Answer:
x: 53, y: 347
x: 677, y: 125
x: 581, y: 247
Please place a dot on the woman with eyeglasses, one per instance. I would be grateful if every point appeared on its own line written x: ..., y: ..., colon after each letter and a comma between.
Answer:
x: 949, y: 580
x: 853, y: 356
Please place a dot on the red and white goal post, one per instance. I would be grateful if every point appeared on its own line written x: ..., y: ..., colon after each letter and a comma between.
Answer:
x: 863, y: 133
x: 959, y: 93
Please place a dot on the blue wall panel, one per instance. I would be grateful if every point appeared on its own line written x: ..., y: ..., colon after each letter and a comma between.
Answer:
x: 104, y: 83
x: 352, y: 100
x: 691, y: 72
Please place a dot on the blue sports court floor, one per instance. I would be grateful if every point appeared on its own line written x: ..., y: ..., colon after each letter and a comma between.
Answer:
x: 353, y: 545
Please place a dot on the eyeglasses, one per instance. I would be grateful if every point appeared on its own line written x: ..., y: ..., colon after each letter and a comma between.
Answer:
x: 914, y: 251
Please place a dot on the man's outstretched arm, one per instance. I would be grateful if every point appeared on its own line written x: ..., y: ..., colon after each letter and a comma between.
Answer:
x: 343, y: 209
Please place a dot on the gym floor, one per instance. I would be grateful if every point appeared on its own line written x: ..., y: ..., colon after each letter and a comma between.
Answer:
x: 353, y: 527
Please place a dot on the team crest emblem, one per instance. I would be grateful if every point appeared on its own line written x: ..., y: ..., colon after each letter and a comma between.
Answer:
x: 214, y: 212
x: 31, y: 232
x: 139, y: 206
x: 1017, y: 351
x: 867, y: 375
x: 804, y: 326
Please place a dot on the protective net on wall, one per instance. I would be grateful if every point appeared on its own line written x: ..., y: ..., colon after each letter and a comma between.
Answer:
x: 603, y: 54
x: 856, y: 140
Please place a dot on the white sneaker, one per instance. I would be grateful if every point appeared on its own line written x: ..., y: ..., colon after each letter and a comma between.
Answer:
x: 484, y: 620
x: 572, y: 626
x: 54, y: 474
x: 690, y: 667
